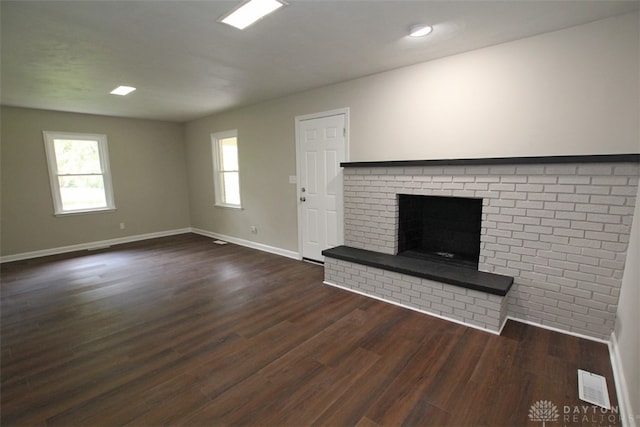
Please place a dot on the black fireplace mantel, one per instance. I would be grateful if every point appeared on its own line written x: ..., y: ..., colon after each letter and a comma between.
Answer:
x: 595, y: 158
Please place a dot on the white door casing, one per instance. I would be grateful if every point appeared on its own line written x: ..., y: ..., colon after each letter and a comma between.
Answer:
x: 321, y: 145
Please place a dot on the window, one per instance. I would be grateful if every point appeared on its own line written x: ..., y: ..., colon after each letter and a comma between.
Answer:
x: 226, y: 171
x: 79, y: 172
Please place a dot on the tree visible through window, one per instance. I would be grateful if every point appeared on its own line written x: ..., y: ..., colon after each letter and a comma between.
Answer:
x: 226, y: 168
x: 79, y: 172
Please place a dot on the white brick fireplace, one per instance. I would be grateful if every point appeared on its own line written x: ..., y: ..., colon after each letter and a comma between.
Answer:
x: 560, y: 229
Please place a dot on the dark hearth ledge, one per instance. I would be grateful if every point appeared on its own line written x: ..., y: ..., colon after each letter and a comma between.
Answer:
x: 595, y: 158
x: 496, y: 284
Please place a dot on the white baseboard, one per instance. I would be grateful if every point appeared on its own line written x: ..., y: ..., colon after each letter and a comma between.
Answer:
x: 92, y: 245
x: 626, y: 410
x: 562, y: 331
x: 247, y: 243
x: 439, y: 316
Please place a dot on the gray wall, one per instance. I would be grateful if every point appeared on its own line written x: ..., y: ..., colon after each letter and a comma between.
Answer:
x: 148, y: 173
x: 626, y: 332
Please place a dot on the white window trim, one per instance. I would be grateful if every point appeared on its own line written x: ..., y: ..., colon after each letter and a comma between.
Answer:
x: 49, y: 137
x: 217, y: 170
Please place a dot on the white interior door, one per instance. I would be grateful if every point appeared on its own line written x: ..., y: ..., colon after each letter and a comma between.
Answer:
x: 321, y: 146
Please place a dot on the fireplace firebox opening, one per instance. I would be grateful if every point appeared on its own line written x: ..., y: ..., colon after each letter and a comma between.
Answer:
x: 444, y: 229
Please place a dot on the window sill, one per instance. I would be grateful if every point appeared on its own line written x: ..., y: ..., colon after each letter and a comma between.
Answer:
x: 236, y: 207
x: 84, y: 212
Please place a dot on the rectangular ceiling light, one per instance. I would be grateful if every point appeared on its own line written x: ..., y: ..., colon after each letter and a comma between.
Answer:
x: 250, y: 11
x: 123, y: 90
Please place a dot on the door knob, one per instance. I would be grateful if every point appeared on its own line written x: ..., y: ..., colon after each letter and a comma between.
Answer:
x: 303, y: 199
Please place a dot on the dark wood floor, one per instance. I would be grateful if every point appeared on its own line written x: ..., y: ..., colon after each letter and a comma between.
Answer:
x: 180, y: 331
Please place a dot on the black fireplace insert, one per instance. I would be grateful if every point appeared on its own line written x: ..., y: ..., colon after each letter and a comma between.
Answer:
x: 445, y: 229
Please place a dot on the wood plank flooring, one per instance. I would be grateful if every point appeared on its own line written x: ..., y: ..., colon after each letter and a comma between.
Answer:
x: 180, y: 331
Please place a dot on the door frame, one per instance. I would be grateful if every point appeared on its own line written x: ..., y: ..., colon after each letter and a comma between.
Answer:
x: 298, y: 120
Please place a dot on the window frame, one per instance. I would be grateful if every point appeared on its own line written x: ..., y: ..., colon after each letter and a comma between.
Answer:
x: 103, y: 150
x: 217, y: 169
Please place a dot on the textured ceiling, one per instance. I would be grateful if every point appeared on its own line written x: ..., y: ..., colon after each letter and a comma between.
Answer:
x: 67, y: 56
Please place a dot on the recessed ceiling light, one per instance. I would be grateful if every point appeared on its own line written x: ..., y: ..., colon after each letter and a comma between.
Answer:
x: 250, y: 11
x: 123, y: 90
x: 420, y: 30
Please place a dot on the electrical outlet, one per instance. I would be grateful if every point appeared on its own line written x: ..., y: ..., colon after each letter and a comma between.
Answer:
x: 122, y: 226
x: 254, y: 229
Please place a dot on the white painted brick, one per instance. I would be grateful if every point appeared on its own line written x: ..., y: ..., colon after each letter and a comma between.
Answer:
x: 544, y: 179
x: 553, y: 254
x: 444, y: 294
x: 573, y: 179
x: 594, y: 195
x: 559, y: 206
x: 529, y: 188
x: 529, y: 204
x: 587, y: 243
x: 614, y: 247
x: 624, y: 191
x: 559, y: 188
x: 402, y: 297
x: 487, y: 319
x: 610, y: 282
x: 526, y: 236
x: 526, y: 220
x: 609, y: 180
x: 595, y: 170
x: 560, y: 169
x: 593, y: 189
x: 454, y: 304
x: 513, y: 179
x: 502, y: 203
x: 572, y: 323
x: 568, y: 232
x: 602, y: 314
x: 502, y: 170
x: 578, y: 216
x: 565, y: 265
x: 537, y: 245
x: 607, y: 299
x: 441, y: 308
x: 489, y: 305
x: 513, y: 195
x: 599, y: 271
x: 608, y: 200
x: 580, y: 276
x: 513, y: 211
x: 562, y: 281
x: 594, y: 287
x: 574, y: 198
x: 561, y: 313
x: 565, y: 223
x: 584, y: 225
x: 632, y: 170
x: 614, y: 265
x: 529, y: 170
x: 578, y: 292
x: 511, y: 226
x: 562, y: 240
x: 540, y: 213
x: 582, y: 259
x: 596, y: 235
